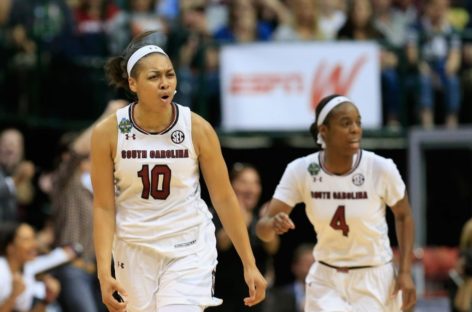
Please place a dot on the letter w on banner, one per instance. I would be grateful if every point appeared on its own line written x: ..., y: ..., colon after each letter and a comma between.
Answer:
x: 276, y: 86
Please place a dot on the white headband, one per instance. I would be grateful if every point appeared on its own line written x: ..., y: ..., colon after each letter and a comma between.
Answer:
x: 139, y: 54
x: 325, y: 111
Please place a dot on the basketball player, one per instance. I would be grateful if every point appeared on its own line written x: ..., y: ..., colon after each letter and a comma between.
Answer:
x: 161, y: 232
x: 346, y: 190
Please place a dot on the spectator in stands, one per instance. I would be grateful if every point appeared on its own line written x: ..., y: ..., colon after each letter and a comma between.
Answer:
x: 95, y: 21
x: 272, y: 13
x: 143, y: 18
x: 168, y: 9
x: 408, y: 9
x: 15, y: 175
x: 341, y: 5
x: 20, y: 56
x: 139, y: 17
x: 291, y: 297
x: 360, y: 26
x: 243, y: 25
x: 71, y: 200
x: 303, y: 24
x: 331, y: 19
x: 435, y: 47
x: 230, y: 287
x: 20, y: 291
x: 393, y: 25
x: 360, y: 22
x: 192, y: 45
x: 35, y: 33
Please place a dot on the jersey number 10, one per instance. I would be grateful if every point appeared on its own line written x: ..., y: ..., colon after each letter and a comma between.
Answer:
x: 158, y: 184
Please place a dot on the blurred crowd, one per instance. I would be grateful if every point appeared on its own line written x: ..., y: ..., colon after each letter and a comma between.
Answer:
x: 53, y: 51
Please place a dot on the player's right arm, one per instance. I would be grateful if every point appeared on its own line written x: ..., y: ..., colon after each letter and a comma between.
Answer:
x: 275, y: 221
x: 104, y: 141
x: 276, y: 218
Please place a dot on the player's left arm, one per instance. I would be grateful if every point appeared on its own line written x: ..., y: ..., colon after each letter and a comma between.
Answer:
x: 224, y: 201
x: 404, y: 226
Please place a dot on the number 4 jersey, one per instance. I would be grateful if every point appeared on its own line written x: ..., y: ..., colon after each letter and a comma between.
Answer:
x: 347, y: 211
x: 158, y: 199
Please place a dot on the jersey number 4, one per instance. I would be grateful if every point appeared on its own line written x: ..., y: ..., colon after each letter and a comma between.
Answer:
x: 338, y: 222
x: 155, y: 183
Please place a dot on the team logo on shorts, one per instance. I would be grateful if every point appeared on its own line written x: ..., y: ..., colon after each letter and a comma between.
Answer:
x: 358, y: 179
x: 177, y: 136
x: 314, y: 169
x: 125, y: 125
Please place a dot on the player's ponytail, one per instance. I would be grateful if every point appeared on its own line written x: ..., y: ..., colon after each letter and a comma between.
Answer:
x: 314, y: 126
x: 116, y: 73
x: 115, y: 68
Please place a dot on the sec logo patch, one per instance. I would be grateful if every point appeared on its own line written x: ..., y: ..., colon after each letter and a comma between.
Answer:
x: 177, y: 136
x: 358, y: 179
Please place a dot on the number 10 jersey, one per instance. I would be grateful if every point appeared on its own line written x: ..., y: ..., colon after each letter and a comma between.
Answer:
x: 158, y: 203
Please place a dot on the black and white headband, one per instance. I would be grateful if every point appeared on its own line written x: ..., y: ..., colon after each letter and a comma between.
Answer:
x: 325, y: 111
x: 139, y: 54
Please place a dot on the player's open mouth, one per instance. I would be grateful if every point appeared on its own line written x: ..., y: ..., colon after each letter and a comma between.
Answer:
x: 165, y: 97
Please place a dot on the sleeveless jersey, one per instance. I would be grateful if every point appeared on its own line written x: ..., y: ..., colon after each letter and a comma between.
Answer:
x: 158, y: 203
x: 347, y: 211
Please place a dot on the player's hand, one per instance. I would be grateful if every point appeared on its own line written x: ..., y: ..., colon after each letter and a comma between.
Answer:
x: 404, y: 282
x: 23, y: 173
x: 108, y: 287
x: 53, y: 288
x: 281, y: 223
x: 257, y: 286
x: 18, y: 285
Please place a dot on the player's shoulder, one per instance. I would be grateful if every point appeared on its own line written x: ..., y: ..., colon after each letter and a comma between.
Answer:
x: 200, y: 126
x: 378, y: 162
x: 106, y: 126
x: 305, y: 161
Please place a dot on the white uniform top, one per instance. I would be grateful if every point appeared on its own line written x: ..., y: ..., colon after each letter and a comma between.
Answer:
x: 158, y: 203
x: 347, y: 211
x: 33, y: 288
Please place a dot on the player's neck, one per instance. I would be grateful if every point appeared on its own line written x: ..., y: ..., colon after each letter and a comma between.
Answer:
x: 14, y: 265
x: 154, y: 120
x: 337, y: 163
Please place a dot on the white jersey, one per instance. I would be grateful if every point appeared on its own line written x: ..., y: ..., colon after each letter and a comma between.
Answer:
x: 33, y: 288
x: 347, y: 211
x: 158, y: 203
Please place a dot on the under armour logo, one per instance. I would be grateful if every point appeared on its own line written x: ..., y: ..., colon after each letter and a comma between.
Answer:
x: 133, y: 136
x: 120, y: 264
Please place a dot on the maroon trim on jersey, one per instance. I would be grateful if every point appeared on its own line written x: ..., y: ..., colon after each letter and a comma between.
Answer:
x: 175, y: 114
x: 354, y: 167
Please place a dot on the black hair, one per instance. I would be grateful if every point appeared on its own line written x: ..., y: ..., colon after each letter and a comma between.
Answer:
x: 347, y: 30
x: 8, y: 232
x: 115, y: 68
x: 314, y: 126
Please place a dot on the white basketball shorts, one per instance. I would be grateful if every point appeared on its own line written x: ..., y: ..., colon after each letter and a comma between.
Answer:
x: 153, y: 281
x: 358, y: 290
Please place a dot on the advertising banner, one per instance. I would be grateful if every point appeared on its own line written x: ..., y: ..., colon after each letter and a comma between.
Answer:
x: 276, y: 86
